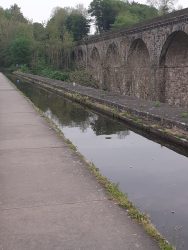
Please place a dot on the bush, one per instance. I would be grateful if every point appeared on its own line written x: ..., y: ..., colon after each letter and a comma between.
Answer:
x: 24, y: 68
x: 42, y: 69
x: 84, y: 78
x: 81, y: 77
x: 63, y: 76
x: 21, y: 50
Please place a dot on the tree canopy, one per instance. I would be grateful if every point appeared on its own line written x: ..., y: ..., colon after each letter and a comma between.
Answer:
x: 21, y: 50
x: 163, y: 6
x: 77, y: 25
x: 118, y: 13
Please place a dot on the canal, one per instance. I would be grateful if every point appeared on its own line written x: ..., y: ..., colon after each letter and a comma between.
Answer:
x: 154, y: 177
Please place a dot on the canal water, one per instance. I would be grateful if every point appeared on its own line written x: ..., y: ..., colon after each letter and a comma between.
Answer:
x: 154, y: 177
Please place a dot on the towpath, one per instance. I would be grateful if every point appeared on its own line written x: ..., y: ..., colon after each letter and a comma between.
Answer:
x: 48, y: 198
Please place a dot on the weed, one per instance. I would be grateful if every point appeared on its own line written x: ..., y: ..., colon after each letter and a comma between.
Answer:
x: 71, y: 146
x: 122, y: 199
x: 184, y: 115
x: 157, y: 104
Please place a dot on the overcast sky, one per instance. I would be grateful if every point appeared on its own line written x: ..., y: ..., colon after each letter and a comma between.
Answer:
x: 40, y: 10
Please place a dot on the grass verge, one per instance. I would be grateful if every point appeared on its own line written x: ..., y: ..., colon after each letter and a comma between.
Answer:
x: 184, y: 115
x: 119, y: 197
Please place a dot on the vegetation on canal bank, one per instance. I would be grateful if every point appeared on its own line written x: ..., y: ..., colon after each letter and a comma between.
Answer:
x: 122, y: 200
x: 81, y: 77
x: 184, y: 115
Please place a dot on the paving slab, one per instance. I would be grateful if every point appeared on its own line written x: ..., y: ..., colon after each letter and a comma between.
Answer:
x: 29, y: 178
x: 18, y: 119
x: 48, y: 198
x: 70, y: 226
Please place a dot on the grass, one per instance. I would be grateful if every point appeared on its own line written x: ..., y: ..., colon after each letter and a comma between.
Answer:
x: 184, y: 115
x: 69, y: 143
x: 119, y: 197
x: 157, y: 104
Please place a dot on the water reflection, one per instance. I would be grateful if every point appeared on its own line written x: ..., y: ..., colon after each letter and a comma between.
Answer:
x: 71, y: 114
x: 154, y: 176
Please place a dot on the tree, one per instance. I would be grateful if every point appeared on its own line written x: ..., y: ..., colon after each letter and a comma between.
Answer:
x: 164, y: 6
x: 119, y: 13
x: 105, y: 12
x: 56, y: 26
x: 21, y: 50
x: 12, y: 25
x: 39, y: 32
x: 59, y: 41
x: 14, y: 13
x: 142, y: 11
x: 78, y: 25
x: 134, y: 13
x: 125, y: 19
x: 81, y: 10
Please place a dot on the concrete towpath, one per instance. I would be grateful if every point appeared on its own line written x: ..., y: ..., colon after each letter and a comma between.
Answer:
x: 48, y: 198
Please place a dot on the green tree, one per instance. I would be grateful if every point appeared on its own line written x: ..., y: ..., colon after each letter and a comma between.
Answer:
x: 125, y: 19
x: 134, y: 13
x: 39, y: 32
x: 105, y: 13
x: 21, y: 50
x: 15, y: 14
x: 119, y: 13
x: 142, y: 11
x: 12, y: 25
x: 56, y: 26
x: 78, y: 25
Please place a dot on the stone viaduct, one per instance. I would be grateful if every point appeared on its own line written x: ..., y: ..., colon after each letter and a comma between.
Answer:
x: 149, y: 60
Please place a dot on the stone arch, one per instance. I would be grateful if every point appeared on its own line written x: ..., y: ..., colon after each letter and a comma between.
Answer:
x: 112, y: 74
x: 80, y: 54
x: 174, y: 67
x: 123, y: 53
x: 139, y: 70
x: 73, y: 55
x: 95, y: 67
x: 80, y: 57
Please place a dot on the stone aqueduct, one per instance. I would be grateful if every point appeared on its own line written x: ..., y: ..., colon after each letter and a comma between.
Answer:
x: 149, y: 61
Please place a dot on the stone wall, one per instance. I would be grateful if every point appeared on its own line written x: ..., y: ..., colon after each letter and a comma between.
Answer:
x: 149, y: 61
x: 176, y: 70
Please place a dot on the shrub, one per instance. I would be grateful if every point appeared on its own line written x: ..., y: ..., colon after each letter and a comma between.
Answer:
x: 84, y: 78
